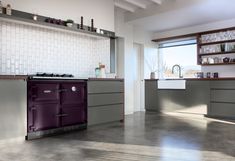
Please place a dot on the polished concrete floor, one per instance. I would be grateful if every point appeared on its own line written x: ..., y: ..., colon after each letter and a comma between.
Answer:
x: 143, y: 137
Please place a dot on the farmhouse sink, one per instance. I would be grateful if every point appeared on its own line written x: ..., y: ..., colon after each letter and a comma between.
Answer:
x: 172, y: 84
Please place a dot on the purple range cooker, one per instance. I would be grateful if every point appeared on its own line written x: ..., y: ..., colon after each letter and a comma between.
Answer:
x: 56, y: 104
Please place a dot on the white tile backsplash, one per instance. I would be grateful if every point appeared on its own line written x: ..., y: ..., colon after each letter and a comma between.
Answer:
x: 26, y: 49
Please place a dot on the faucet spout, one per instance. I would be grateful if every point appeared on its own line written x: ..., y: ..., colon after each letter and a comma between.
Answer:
x: 179, y: 68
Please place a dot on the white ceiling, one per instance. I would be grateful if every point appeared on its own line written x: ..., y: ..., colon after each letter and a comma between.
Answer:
x: 175, y: 14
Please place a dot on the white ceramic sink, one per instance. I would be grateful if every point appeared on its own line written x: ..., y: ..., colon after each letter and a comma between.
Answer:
x: 172, y: 84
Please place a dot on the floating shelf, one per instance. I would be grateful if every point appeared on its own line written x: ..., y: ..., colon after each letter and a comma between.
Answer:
x: 27, y: 18
x: 231, y: 63
x: 216, y: 42
x: 218, y: 53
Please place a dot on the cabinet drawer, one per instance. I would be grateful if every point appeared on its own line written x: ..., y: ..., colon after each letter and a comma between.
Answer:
x: 223, y: 96
x: 222, y: 109
x: 229, y: 84
x: 105, y: 86
x: 104, y: 114
x: 105, y: 99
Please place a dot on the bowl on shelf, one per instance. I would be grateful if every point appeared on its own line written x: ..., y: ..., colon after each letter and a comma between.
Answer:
x: 226, y: 60
x: 69, y: 24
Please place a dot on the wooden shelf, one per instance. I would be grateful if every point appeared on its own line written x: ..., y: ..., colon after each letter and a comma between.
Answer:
x: 231, y: 63
x: 218, y: 53
x: 216, y: 42
x: 27, y: 18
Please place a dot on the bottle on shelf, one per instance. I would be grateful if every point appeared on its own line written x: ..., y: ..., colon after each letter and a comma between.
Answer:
x: 92, y: 25
x: 8, y: 10
x: 81, y: 26
x: 1, y: 7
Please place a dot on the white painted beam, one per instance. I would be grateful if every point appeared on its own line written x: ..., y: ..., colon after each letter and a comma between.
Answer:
x: 130, y: 9
x: 157, y: 1
x: 136, y: 3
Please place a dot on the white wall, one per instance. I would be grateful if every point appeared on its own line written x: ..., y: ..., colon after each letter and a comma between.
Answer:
x: 101, y: 10
x: 130, y: 34
x: 126, y: 32
x: 29, y: 49
x: 224, y: 71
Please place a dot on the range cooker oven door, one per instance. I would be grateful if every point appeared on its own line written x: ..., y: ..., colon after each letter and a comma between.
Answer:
x: 73, y: 103
x: 43, y: 105
x: 44, y: 92
x: 43, y: 117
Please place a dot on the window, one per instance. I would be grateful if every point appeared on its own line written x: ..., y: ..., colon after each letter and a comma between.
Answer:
x: 183, y: 53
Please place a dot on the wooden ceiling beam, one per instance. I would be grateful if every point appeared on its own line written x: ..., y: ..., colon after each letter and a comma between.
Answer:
x: 122, y: 6
x: 157, y: 1
x: 136, y: 3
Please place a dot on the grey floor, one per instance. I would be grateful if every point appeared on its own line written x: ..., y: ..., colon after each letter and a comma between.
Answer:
x: 143, y: 137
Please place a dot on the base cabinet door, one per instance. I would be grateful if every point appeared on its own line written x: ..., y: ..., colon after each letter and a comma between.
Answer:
x: 43, y: 117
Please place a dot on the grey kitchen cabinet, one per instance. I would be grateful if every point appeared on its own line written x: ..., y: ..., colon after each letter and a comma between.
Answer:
x: 225, y: 110
x: 222, y: 99
x: 105, y: 101
x: 170, y: 100
x: 218, y: 96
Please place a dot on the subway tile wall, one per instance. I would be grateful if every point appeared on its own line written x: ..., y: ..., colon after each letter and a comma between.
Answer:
x: 26, y: 49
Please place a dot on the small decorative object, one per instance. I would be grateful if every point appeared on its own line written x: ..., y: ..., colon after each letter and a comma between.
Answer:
x: 226, y: 60
x: 8, y: 10
x: 59, y: 22
x: 55, y: 21
x: 199, y: 75
x: 152, y: 75
x: 216, y: 75
x: 35, y: 17
x: 97, y: 72
x: 102, y: 70
x: 81, y: 27
x: 69, y: 23
x: 153, y: 67
x: 208, y: 75
x: 204, y: 60
x: 1, y: 7
x: 211, y: 61
x: 222, y: 47
x: 216, y: 60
